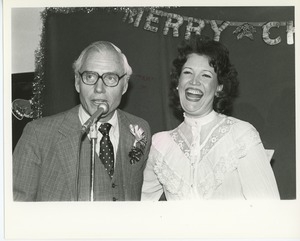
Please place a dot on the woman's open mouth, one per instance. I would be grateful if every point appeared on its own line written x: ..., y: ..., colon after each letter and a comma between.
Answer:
x: 192, y: 94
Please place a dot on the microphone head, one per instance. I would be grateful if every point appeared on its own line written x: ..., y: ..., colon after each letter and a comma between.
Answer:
x: 104, y: 107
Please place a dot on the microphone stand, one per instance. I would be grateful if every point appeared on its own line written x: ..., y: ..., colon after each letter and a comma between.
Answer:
x: 90, y: 125
x: 93, y: 136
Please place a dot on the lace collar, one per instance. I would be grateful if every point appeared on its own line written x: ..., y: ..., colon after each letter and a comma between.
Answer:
x: 200, y: 121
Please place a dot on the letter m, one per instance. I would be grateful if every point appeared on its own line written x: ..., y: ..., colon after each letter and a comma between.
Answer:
x: 133, y: 13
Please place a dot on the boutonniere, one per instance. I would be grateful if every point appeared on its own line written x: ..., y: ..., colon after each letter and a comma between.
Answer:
x: 139, y: 144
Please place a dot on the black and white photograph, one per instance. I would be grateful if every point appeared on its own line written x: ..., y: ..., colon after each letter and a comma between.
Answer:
x: 150, y: 121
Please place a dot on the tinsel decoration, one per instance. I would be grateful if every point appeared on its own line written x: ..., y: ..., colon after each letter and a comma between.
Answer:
x: 196, y: 29
x: 266, y: 33
x: 217, y: 30
x: 138, y: 13
x: 39, y: 82
x: 134, y: 16
x: 245, y: 30
x: 149, y: 19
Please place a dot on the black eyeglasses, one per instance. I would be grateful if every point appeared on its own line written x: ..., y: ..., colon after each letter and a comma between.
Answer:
x: 109, y: 79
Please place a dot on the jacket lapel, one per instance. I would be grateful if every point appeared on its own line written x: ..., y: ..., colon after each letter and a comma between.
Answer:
x: 68, y: 149
x: 125, y: 143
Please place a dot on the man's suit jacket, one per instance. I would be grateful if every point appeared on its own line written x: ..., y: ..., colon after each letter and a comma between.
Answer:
x: 45, y: 160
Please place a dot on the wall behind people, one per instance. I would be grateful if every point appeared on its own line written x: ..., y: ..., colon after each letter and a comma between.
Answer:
x: 266, y: 72
x: 26, y: 27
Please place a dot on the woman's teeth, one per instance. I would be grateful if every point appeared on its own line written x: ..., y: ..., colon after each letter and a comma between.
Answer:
x: 193, y: 94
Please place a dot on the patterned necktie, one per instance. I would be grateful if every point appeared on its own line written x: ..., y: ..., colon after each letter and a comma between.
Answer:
x: 106, y: 153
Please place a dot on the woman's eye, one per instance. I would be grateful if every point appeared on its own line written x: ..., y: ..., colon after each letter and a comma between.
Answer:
x: 206, y: 75
x: 187, y: 72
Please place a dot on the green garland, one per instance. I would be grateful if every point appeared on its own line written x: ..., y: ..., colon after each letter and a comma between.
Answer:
x: 38, y: 82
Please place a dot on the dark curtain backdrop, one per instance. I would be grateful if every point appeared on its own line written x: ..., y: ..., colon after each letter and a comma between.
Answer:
x: 266, y: 73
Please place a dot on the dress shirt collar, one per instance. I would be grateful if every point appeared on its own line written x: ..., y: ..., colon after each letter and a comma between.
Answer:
x: 200, y: 121
x: 84, y: 116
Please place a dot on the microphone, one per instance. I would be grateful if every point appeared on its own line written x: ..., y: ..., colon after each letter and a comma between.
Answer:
x: 102, y: 109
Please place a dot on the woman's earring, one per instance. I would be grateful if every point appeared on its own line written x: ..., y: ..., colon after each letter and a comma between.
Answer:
x: 219, y: 89
x: 177, y: 88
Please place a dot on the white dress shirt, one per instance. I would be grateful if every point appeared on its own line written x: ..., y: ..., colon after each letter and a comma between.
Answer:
x: 113, y: 133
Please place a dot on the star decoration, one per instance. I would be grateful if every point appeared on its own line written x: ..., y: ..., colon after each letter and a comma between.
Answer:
x: 245, y: 30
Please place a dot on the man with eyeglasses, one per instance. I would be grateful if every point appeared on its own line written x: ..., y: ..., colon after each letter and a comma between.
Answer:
x: 55, y: 161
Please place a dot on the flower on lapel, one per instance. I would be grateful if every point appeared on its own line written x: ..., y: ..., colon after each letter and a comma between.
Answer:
x: 139, y: 144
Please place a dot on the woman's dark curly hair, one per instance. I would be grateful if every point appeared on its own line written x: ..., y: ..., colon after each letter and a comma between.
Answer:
x: 219, y: 60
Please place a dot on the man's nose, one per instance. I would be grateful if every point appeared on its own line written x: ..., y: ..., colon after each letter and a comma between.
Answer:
x: 99, y: 86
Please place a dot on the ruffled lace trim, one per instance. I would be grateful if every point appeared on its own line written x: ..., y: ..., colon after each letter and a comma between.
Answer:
x: 181, y: 142
x: 210, y: 176
x: 221, y: 131
x: 170, y: 179
x: 227, y: 163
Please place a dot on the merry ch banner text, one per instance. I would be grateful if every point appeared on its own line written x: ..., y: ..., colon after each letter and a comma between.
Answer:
x: 196, y: 25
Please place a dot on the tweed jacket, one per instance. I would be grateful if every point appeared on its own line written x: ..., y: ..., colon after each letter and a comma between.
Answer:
x: 45, y: 160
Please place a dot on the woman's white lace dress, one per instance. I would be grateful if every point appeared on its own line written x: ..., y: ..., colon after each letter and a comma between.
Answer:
x: 214, y: 157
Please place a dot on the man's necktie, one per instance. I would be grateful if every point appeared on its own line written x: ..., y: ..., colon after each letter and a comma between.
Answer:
x: 106, y: 153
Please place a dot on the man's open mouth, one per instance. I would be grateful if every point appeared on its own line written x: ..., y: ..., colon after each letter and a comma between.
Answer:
x: 98, y: 101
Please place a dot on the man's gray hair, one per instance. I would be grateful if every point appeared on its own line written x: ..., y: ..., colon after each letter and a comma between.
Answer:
x: 100, y: 46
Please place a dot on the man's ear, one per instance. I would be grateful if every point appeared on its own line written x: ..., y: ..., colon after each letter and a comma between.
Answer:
x: 125, y: 85
x: 77, y: 83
